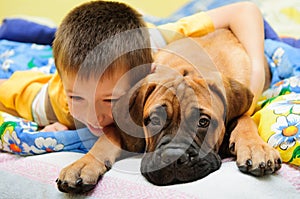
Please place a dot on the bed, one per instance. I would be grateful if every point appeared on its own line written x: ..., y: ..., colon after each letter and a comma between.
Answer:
x: 30, y: 160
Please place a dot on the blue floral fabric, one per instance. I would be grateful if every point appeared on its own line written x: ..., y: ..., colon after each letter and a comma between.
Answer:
x: 22, y: 137
x: 16, y: 56
x: 278, y: 118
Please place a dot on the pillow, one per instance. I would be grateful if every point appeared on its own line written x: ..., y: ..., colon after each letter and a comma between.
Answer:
x: 22, y: 30
x: 278, y: 119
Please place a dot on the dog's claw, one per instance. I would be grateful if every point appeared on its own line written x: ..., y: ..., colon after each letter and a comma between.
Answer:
x: 269, y: 163
x: 79, y: 182
x: 278, y: 164
x: 245, y: 168
x: 232, y: 147
x: 249, y: 163
x: 58, y: 181
x: 269, y: 169
x: 262, y: 169
x: 262, y: 165
x: 107, y: 164
x: 279, y: 161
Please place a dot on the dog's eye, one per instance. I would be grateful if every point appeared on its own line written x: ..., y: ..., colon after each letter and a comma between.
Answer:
x: 155, y: 121
x: 204, y: 121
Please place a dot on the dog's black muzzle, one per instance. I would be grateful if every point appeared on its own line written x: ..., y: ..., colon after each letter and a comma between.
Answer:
x: 178, y: 162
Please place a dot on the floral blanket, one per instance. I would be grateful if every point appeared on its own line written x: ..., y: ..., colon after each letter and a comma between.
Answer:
x: 278, y: 118
x: 22, y: 137
x: 15, y: 56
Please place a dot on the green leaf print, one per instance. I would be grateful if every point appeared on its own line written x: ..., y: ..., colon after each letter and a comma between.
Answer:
x: 5, y: 125
x: 296, y: 154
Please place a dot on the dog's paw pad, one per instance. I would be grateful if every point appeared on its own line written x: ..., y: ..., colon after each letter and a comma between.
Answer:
x: 79, y: 187
x: 261, y: 170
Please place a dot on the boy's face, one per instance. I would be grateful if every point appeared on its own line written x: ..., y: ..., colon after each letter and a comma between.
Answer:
x: 90, y: 100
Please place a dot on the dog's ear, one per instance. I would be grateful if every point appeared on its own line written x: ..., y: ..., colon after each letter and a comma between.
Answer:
x: 128, y: 110
x: 238, y: 98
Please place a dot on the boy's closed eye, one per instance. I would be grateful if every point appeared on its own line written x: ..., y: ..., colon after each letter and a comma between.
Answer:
x: 75, y: 98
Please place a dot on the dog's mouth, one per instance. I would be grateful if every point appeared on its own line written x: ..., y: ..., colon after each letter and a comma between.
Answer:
x: 173, y: 164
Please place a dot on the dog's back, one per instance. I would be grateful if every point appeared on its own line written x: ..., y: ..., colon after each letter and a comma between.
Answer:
x: 219, y: 51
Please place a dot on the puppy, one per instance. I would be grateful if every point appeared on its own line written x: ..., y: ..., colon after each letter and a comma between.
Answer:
x: 184, y: 117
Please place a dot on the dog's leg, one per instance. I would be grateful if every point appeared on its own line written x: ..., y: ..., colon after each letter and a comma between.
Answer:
x: 253, y: 155
x: 83, y: 175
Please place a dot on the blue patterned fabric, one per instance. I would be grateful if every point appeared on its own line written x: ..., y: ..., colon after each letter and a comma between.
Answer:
x: 16, y: 56
x: 22, y: 137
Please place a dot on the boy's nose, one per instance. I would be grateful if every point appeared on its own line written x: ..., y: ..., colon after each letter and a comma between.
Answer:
x: 100, y: 119
x: 105, y: 119
x: 92, y: 116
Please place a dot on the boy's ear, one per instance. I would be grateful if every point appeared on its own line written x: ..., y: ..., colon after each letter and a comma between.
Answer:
x: 128, y: 110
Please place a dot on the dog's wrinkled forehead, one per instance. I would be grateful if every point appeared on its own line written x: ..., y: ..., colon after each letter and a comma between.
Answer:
x: 184, y: 92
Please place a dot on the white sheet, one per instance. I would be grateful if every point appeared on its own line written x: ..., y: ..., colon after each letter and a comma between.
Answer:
x: 34, y: 177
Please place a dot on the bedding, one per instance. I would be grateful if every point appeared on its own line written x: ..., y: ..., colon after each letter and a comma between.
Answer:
x: 22, y: 137
x: 28, y: 169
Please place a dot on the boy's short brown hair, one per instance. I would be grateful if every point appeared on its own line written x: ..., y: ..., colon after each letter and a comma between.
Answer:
x: 102, y: 36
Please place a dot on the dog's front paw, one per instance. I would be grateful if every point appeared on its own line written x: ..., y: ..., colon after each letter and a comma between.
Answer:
x: 83, y: 175
x: 256, y: 157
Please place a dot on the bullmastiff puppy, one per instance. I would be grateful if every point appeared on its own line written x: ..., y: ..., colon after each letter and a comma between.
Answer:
x: 184, y: 117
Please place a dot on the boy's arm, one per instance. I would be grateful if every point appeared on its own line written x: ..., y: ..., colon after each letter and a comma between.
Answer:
x: 3, y: 107
x: 38, y: 97
x: 196, y: 25
x: 18, y: 92
x: 245, y: 20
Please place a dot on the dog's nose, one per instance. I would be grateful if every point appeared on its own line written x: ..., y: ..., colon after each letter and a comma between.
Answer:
x: 178, y: 156
x: 170, y: 155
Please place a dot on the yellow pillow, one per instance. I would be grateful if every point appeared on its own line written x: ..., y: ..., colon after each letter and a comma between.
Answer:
x: 278, y: 119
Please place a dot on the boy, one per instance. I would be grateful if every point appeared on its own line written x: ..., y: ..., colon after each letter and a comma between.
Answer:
x: 95, y: 46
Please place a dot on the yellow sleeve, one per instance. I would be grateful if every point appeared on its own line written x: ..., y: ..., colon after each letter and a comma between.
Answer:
x: 19, y: 91
x: 59, y: 102
x: 195, y: 25
x: 24, y: 93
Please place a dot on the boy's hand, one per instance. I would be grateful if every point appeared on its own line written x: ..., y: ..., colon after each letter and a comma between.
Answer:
x: 54, y: 127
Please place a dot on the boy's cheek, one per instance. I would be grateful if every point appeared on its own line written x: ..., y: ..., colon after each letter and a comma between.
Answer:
x: 75, y: 114
x: 79, y: 118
